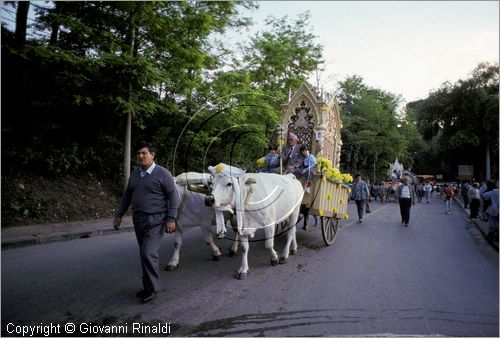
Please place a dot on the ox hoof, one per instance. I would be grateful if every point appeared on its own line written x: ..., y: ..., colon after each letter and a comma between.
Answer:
x: 171, y: 267
x: 274, y: 262
x: 283, y: 260
x: 231, y: 253
x: 293, y: 252
x: 241, y: 275
x: 216, y: 258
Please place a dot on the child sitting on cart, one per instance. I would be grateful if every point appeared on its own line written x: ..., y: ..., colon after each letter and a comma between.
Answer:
x: 308, y: 167
x: 272, y: 159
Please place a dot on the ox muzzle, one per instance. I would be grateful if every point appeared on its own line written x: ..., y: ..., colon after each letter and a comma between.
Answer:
x: 209, y: 200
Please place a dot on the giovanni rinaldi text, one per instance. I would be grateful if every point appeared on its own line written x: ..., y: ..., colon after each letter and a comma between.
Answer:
x: 47, y: 330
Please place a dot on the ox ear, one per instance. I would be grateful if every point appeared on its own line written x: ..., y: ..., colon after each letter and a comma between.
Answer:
x: 250, y: 181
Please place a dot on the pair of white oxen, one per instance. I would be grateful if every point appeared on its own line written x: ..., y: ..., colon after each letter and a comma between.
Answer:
x: 257, y: 201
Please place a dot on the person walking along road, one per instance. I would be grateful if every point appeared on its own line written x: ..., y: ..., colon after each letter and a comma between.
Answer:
x: 360, y: 194
x: 420, y: 192
x: 448, y: 194
x: 427, y: 191
x: 474, y: 200
x: 406, y: 196
x: 464, y: 189
x: 152, y: 194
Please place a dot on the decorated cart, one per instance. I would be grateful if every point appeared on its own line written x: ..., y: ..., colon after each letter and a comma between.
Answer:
x: 317, y: 124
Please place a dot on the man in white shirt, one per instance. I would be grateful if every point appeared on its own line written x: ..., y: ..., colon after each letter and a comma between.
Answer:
x: 427, y: 191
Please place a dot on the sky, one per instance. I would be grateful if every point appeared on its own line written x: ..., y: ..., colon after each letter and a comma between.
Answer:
x: 408, y: 48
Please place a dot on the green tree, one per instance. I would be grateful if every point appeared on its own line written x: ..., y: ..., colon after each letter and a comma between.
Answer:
x: 242, y: 105
x: 105, y: 61
x: 375, y: 133
x: 282, y: 58
x: 459, y: 122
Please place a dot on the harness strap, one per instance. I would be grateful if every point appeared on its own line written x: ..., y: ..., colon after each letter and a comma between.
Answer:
x: 250, y: 192
x: 181, y: 204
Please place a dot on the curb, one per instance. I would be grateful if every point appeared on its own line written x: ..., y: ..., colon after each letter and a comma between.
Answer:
x: 476, y: 222
x: 51, y: 234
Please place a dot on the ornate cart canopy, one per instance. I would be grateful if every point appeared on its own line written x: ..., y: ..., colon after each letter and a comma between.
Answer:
x: 316, y: 123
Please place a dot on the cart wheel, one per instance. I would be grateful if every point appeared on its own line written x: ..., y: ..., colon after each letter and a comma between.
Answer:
x: 329, y: 228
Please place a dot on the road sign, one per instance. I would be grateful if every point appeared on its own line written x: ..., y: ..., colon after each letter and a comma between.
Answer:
x: 465, y: 170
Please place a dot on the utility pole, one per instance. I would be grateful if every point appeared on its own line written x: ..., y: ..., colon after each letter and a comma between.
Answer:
x: 128, y: 130
x: 488, y: 162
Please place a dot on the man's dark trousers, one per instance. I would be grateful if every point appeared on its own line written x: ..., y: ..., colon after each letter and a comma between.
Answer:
x: 404, y: 206
x: 149, y: 232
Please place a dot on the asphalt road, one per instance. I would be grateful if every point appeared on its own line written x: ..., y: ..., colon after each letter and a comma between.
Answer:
x: 436, y: 277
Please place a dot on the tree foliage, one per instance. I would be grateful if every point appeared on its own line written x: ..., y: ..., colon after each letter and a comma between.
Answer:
x: 74, y: 90
x: 70, y: 93
x: 281, y: 58
x: 459, y: 121
x: 375, y: 133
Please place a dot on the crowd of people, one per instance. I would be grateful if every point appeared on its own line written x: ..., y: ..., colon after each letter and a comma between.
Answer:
x: 482, y: 199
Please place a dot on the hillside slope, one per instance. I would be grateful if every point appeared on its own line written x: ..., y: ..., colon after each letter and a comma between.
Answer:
x: 33, y: 199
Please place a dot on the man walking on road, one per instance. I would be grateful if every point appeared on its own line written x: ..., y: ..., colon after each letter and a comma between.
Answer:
x: 448, y: 194
x: 427, y: 191
x: 153, y: 196
x: 406, y: 195
x: 475, y: 200
x: 360, y: 194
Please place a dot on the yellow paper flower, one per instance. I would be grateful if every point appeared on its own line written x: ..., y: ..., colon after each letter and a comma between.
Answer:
x: 326, y: 166
x: 341, y: 201
x: 329, y: 196
x: 346, y: 178
x: 323, y: 163
x: 334, y: 210
x: 261, y: 162
x: 321, y: 212
x: 346, y: 216
x: 218, y: 169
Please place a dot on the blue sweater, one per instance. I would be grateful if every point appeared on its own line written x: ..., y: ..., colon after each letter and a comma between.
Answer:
x: 152, y: 194
x: 309, y: 163
x: 272, y: 161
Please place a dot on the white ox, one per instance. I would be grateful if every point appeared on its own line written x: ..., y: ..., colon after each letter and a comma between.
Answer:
x: 260, y: 201
x: 192, y: 212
